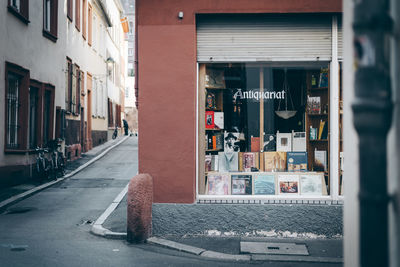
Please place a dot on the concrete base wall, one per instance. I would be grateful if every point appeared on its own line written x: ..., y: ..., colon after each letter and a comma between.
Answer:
x: 286, y: 220
x: 99, y: 137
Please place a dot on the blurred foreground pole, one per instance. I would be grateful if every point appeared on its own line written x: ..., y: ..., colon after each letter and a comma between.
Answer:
x: 372, y: 110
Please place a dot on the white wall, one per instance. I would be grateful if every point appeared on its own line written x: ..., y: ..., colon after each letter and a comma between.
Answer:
x: 351, y: 174
x: 26, y: 46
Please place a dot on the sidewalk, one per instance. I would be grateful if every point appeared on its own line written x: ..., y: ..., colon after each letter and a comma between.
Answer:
x: 9, y: 193
x: 325, y: 252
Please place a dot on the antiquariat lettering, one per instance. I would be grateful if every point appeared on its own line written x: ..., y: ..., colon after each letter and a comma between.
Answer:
x: 256, y: 94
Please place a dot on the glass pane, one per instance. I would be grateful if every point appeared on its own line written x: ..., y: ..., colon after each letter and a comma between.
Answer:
x: 33, y: 101
x: 13, y: 107
x: 266, y: 129
x: 46, y: 116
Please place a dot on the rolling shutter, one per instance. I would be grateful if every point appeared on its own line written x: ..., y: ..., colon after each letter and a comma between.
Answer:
x: 340, y: 39
x: 265, y: 37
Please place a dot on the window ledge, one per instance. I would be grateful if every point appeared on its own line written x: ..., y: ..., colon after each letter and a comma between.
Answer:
x: 15, y: 151
x: 18, y: 14
x: 50, y: 36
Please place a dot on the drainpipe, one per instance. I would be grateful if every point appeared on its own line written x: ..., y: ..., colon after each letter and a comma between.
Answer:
x: 372, y: 109
x: 136, y: 56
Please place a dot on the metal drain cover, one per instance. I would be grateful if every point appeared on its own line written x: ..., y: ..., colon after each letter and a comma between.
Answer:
x: 273, y: 248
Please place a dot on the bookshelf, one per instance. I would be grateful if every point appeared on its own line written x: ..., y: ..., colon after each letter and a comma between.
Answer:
x: 317, y: 117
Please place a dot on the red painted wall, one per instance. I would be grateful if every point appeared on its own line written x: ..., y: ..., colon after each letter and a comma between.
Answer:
x: 167, y: 84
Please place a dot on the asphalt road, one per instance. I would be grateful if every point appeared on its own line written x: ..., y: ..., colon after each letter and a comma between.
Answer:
x: 52, y: 227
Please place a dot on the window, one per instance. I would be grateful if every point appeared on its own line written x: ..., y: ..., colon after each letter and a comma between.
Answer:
x: 94, y: 32
x: 69, y: 9
x: 89, y: 24
x: 34, y: 110
x: 68, y: 89
x: 78, y: 14
x: 94, y: 97
x: 20, y: 8
x: 78, y: 90
x: 16, y: 107
x: 265, y: 129
x: 110, y: 113
x: 84, y: 19
x: 50, y: 19
x: 130, y: 52
x: 131, y: 27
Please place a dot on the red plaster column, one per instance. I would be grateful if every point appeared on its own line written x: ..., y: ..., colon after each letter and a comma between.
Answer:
x: 140, y: 200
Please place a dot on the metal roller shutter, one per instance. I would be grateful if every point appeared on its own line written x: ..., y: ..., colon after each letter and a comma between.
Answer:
x: 340, y: 39
x: 246, y: 38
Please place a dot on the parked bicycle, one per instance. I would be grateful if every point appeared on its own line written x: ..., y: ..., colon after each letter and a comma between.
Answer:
x: 50, y: 168
x: 115, y: 134
x: 57, y: 159
x: 42, y: 164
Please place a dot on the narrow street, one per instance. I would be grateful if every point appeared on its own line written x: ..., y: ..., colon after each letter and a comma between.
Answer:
x: 52, y: 227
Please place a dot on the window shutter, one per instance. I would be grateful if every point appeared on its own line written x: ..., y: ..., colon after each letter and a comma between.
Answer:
x: 73, y: 96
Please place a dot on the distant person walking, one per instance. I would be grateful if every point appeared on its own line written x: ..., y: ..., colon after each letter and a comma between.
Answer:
x: 126, y: 126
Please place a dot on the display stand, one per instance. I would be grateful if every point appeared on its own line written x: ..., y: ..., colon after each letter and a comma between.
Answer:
x: 315, y: 117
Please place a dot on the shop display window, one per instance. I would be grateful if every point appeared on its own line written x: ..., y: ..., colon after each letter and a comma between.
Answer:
x: 264, y: 130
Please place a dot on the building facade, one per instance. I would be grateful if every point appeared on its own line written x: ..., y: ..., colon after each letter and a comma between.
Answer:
x: 230, y: 78
x: 57, y: 85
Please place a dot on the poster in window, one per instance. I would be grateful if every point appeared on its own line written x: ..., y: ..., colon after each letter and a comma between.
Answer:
x: 288, y: 184
x: 311, y: 184
x: 241, y: 184
x: 299, y: 141
x: 284, y: 142
x: 269, y: 142
x: 296, y: 161
x: 228, y: 161
x: 274, y: 161
x: 218, y: 184
x: 231, y: 143
x: 210, y: 120
x: 214, y: 78
x: 249, y: 161
x: 264, y: 184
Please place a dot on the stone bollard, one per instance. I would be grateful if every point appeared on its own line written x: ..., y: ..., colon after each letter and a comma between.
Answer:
x: 140, y: 200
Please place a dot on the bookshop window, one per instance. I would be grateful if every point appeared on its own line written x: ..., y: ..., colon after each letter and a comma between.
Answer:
x: 265, y: 129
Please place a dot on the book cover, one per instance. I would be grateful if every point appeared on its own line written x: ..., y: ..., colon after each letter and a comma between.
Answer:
x: 218, y: 184
x: 323, y: 78
x: 210, y: 101
x: 288, y: 184
x: 269, y: 142
x: 219, y: 120
x: 264, y: 184
x: 321, y: 128
x: 296, y: 161
x: 274, y: 161
x: 210, y: 120
x: 299, y: 141
x: 320, y: 160
x: 255, y: 144
x: 219, y: 140
x: 209, y: 141
x: 228, y: 161
x: 284, y: 142
x: 231, y: 142
x: 249, y: 161
x: 241, y: 184
x: 311, y: 184
x: 214, y: 142
x: 214, y: 163
x: 313, y: 133
x: 314, y: 104
x: 208, y: 161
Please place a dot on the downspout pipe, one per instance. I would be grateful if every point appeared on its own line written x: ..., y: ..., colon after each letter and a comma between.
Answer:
x: 372, y: 110
x: 136, y: 55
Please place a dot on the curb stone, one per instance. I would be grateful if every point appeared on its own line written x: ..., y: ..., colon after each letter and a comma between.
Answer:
x: 98, y: 229
x: 26, y: 194
x: 238, y: 257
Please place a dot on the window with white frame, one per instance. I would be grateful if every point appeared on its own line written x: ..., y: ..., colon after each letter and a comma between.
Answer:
x: 94, y: 97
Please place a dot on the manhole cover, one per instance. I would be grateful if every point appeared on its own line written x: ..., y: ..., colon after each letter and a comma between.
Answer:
x: 19, y: 210
x: 273, y: 248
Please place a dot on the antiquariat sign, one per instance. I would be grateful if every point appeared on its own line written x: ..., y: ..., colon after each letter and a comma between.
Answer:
x: 257, y: 94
